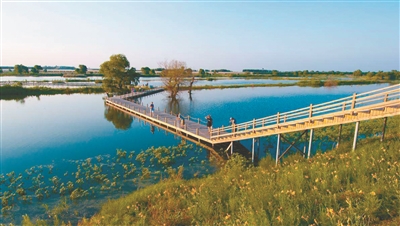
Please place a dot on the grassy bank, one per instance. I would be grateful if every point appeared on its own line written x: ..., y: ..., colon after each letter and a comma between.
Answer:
x: 339, y: 187
x: 19, y: 92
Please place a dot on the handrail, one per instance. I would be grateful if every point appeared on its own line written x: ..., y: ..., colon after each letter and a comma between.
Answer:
x: 339, y: 105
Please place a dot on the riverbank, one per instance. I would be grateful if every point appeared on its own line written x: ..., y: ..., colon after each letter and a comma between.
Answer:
x: 18, y: 92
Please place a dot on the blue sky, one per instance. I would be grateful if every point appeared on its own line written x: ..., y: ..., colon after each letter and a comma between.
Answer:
x: 281, y: 35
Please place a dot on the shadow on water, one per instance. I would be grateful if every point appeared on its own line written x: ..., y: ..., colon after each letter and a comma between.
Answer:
x: 120, y: 119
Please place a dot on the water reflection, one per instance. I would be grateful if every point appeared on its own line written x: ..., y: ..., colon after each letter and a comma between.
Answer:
x: 120, y: 119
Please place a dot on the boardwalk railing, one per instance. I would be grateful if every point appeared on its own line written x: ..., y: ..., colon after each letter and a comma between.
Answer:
x: 356, y: 102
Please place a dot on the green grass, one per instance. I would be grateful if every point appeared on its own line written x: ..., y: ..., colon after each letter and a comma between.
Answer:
x: 338, y: 187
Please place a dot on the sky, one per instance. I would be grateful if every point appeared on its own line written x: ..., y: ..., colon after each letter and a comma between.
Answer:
x: 234, y: 35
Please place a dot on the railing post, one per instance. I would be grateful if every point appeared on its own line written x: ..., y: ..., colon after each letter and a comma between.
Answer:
x: 188, y: 117
x: 277, y: 118
x: 165, y: 119
x: 385, y: 98
x: 353, y: 102
x: 219, y: 131
x: 254, y: 125
x: 284, y: 118
x: 197, y: 131
x: 311, y: 112
x: 344, y: 106
x: 263, y: 122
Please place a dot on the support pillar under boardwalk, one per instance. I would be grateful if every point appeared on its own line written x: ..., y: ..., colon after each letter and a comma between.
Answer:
x: 355, y: 136
x: 252, y: 152
x: 292, y: 144
x: 340, y: 135
x: 383, y: 129
x: 277, y: 148
x: 310, y: 143
x: 228, y: 148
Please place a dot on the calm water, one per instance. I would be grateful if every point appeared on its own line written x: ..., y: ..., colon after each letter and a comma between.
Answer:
x: 57, y: 130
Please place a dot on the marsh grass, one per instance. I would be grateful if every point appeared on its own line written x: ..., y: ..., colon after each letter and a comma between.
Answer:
x: 341, y: 186
x: 100, y: 176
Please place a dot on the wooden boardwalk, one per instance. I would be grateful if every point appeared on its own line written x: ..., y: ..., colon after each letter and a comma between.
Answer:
x: 378, y: 103
x: 190, y: 129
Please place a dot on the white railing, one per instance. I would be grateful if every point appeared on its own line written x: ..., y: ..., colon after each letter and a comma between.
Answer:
x: 356, y: 101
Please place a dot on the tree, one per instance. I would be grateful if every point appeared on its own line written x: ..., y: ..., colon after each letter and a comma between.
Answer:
x: 19, y: 68
x: 118, y: 77
x: 174, y: 76
x: 202, y: 73
x: 36, y: 69
x: 145, y: 70
x: 81, y: 70
x: 357, y: 73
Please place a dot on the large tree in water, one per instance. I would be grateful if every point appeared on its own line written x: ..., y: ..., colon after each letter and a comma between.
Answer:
x: 118, y: 76
x: 174, y: 75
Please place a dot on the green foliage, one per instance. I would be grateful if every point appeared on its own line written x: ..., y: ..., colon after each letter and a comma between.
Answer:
x: 81, y: 70
x: 338, y: 187
x: 118, y: 77
x: 19, y: 69
x: 357, y: 73
x: 145, y: 70
x: 202, y: 73
x: 36, y: 69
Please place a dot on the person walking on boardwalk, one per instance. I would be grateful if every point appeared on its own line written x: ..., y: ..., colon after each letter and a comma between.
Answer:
x: 181, y: 120
x: 151, y: 108
x: 232, y: 121
x: 209, y: 123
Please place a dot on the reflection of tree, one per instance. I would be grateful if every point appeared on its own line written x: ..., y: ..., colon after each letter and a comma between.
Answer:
x: 120, y: 119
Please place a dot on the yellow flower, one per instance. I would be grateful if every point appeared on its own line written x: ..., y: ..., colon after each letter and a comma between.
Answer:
x: 372, y: 193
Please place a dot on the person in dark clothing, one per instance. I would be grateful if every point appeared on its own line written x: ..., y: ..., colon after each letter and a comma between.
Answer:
x: 151, y: 109
x: 209, y: 123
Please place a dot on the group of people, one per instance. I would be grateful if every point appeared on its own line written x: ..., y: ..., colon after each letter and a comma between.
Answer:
x: 181, y: 119
x: 232, y: 121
